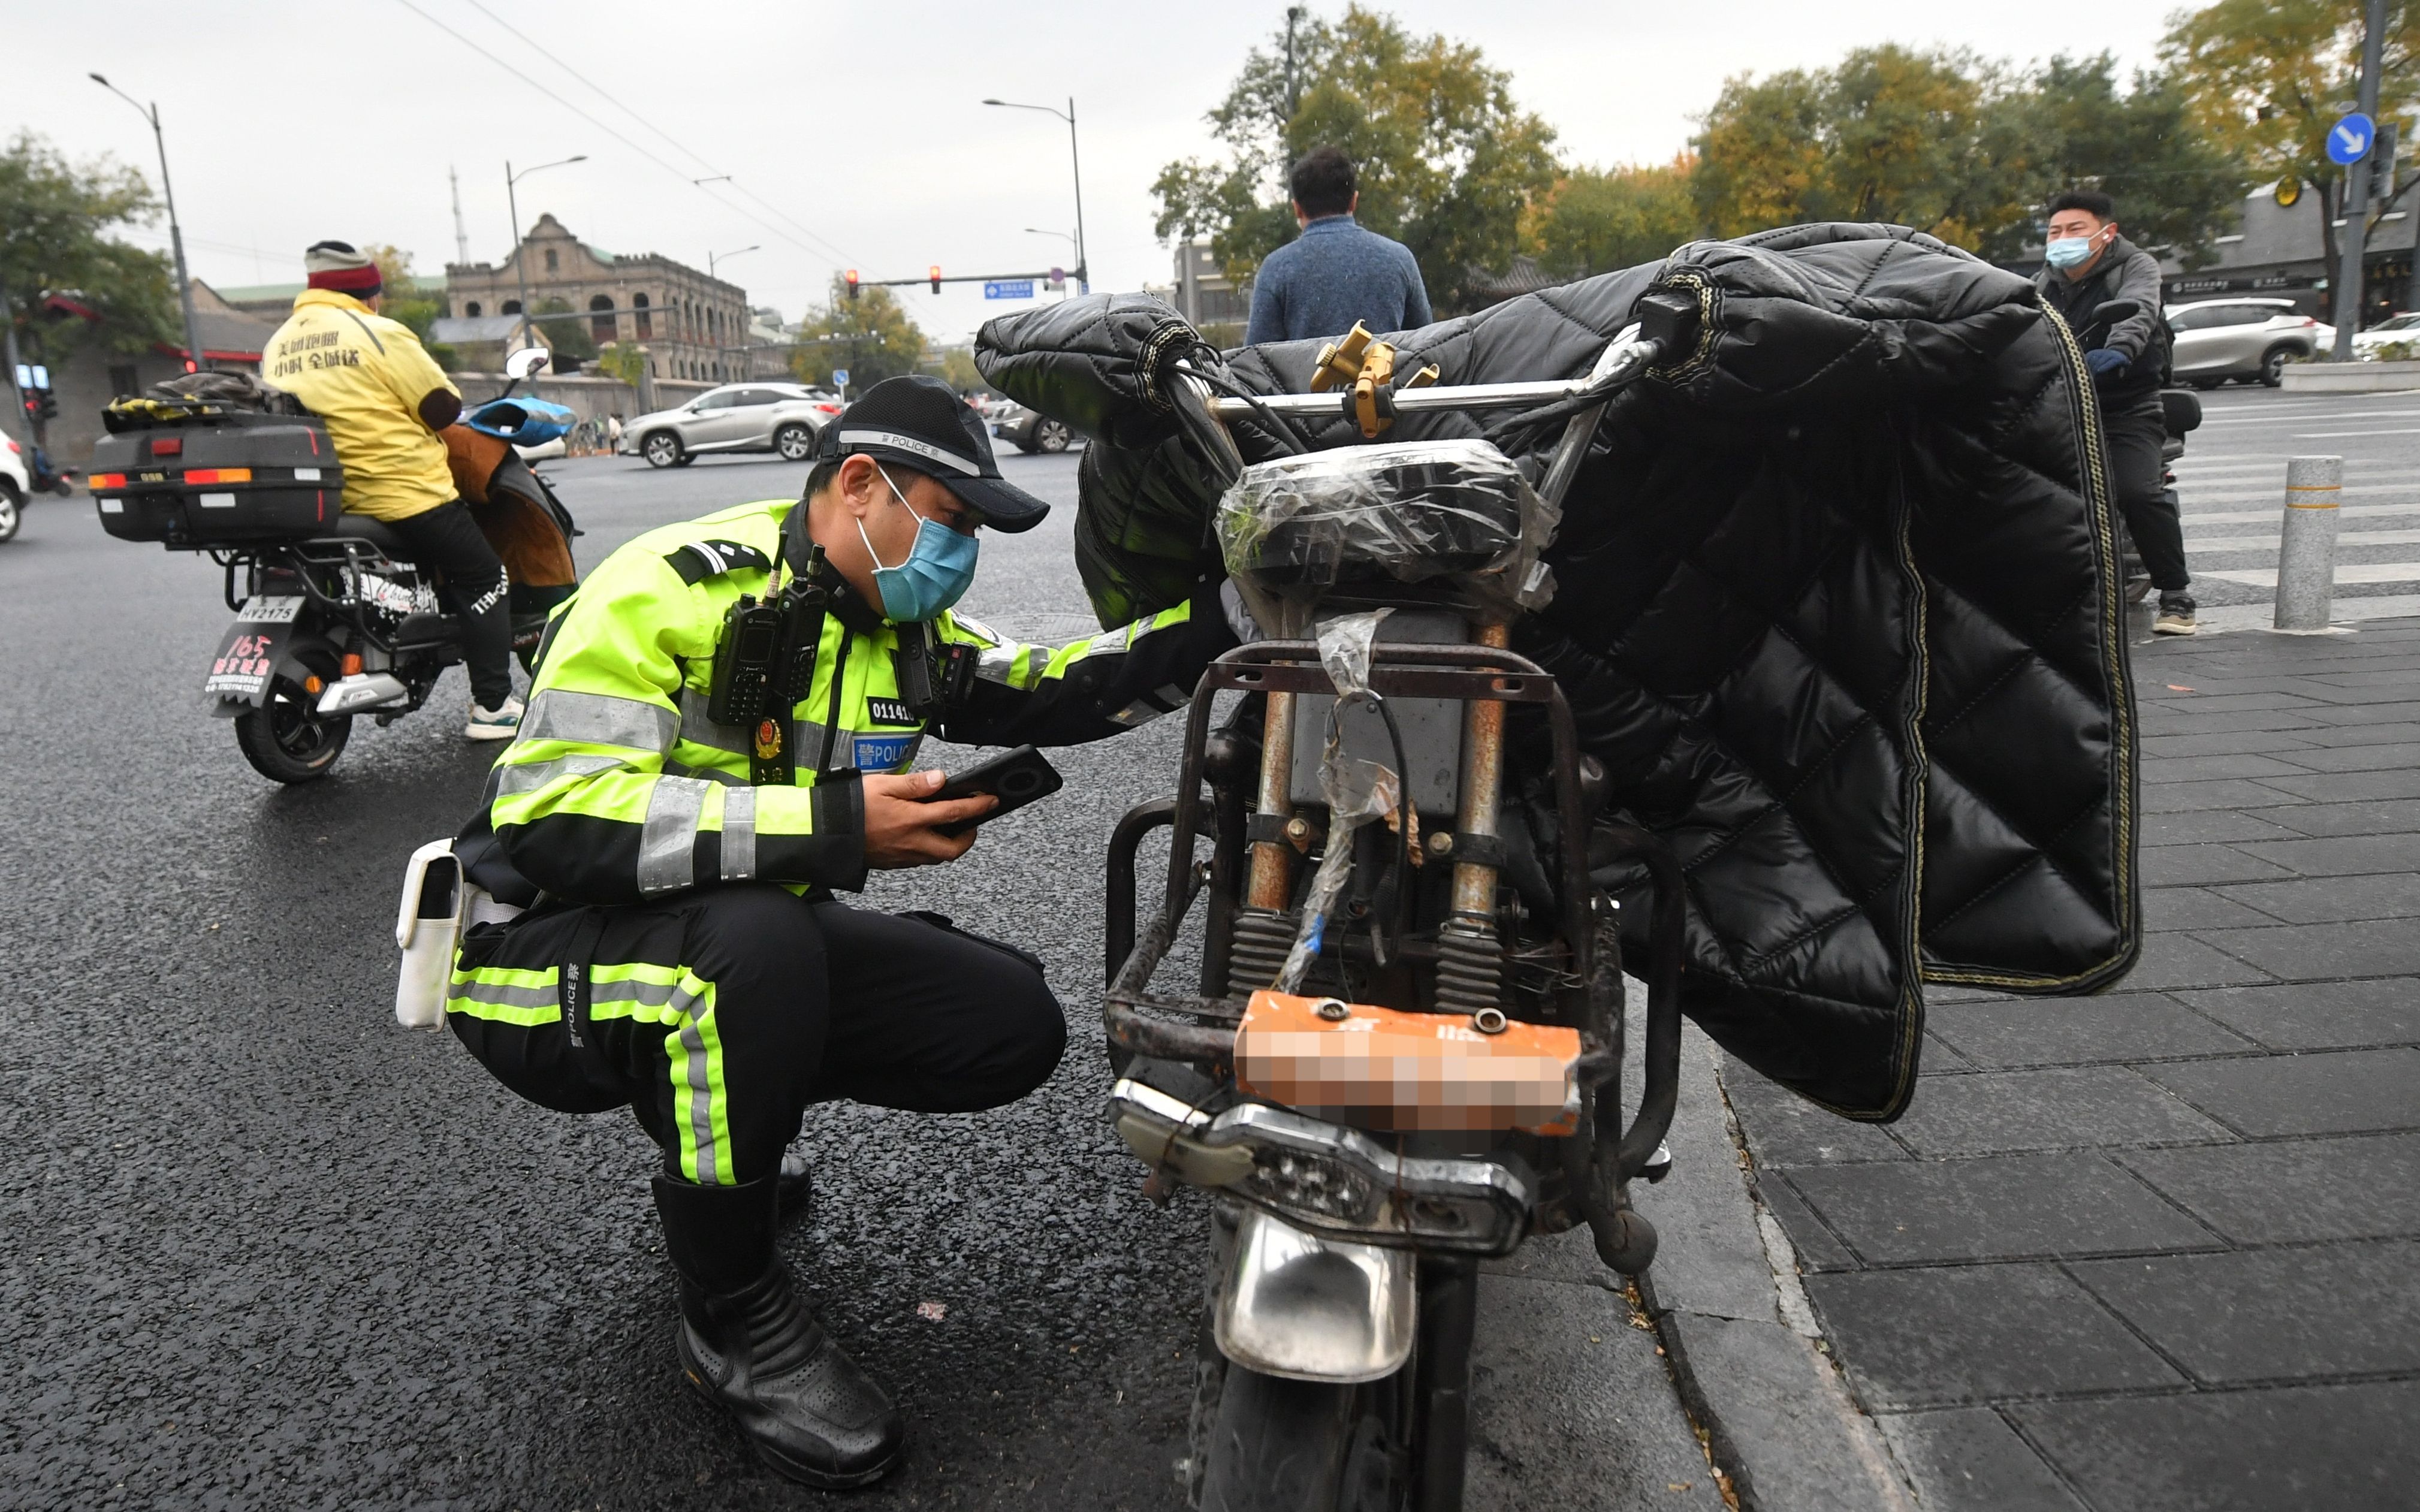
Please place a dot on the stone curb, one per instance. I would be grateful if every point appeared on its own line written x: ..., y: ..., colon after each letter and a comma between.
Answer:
x: 1745, y: 1350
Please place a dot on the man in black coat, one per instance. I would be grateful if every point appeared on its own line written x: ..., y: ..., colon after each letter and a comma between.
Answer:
x: 2087, y: 265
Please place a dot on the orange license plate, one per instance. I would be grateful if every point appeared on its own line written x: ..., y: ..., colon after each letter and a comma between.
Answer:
x: 1393, y: 1069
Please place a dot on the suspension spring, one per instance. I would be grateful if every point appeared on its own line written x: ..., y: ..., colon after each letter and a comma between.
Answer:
x: 1262, y: 940
x: 1470, y: 967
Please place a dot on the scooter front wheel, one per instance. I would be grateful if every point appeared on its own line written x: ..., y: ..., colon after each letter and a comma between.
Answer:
x: 286, y: 739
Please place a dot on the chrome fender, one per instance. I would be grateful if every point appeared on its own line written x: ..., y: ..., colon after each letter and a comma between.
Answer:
x: 1308, y: 1308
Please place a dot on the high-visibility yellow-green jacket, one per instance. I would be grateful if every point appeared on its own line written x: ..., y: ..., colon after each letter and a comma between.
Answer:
x: 618, y: 788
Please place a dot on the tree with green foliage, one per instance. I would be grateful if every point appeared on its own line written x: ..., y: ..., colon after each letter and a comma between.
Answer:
x: 620, y: 360
x: 1916, y: 138
x: 404, y: 302
x: 55, y: 220
x: 872, y: 335
x: 2263, y: 79
x: 1597, y: 221
x: 1966, y: 149
x: 2175, y: 188
x: 566, y: 335
x: 1448, y: 163
x: 955, y: 366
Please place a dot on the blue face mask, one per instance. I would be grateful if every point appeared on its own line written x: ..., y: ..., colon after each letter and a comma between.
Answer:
x: 2068, y: 252
x: 935, y: 575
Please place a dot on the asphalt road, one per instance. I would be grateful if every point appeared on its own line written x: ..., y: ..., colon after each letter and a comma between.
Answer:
x: 2231, y: 483
x: 260, y: 1247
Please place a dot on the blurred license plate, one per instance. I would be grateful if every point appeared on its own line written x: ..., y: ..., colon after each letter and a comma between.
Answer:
x: 269, y: 608
x: 1393, y: 1069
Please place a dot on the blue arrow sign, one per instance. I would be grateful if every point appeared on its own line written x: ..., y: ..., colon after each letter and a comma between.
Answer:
x: 840, y: 378
x: 1009, y: 288
x: 2349, y: 139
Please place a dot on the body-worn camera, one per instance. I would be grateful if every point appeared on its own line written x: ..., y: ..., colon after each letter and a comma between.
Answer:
x: 933, y: 674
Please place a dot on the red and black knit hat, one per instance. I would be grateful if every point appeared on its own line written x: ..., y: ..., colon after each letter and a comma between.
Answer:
x: 337, y: 266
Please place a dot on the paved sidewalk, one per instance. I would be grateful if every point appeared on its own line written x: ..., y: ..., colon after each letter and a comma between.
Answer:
x: 2161, y: 1249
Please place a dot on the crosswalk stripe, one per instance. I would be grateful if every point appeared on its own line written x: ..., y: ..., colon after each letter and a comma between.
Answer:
x: 2269, y: 543
x: 2270, y: 516
x: 2370, y: 572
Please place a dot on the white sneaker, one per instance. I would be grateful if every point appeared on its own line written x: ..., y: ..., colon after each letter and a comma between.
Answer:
x: 495, y: 724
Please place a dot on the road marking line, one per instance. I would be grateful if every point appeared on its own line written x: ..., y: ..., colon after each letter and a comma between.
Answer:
x: 2373, y: 572
x: 2269, y: 543
x: 2263, y: 516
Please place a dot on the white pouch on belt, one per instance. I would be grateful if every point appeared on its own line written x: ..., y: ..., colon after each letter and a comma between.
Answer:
x: 427, y: 924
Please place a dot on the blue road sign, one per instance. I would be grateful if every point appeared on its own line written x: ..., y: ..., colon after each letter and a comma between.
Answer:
x: 1008, y: 288
x: 840, y: 378
x: 2349, y: 139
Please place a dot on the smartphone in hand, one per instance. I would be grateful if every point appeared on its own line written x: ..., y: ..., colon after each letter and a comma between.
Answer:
x: 1015, y: 778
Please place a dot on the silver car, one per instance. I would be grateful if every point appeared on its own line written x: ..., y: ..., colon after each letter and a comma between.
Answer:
x: 2250, y: 340
x: 781, y: 418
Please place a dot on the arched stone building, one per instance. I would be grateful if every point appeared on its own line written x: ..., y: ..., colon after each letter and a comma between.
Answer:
x: 693, y: 327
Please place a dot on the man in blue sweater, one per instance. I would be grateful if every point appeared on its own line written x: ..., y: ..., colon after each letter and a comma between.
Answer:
x: 1335, y: 272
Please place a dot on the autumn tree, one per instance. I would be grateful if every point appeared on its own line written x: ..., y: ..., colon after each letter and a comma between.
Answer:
x: 57, y: 221
x: 1916, y: 138
x: 872, y: 335
x: 1595, y: 221
x: 2265, y: 78
x: 2176, y: 187
x: 1448, y: 163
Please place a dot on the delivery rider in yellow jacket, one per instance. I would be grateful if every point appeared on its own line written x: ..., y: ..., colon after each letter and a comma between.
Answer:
x: 677, y: 841
x: 383, y: 400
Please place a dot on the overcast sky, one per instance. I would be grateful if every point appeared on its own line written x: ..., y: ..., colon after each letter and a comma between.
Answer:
x: 853, y: 134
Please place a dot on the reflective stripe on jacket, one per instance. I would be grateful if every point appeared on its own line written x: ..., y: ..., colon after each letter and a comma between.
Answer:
x: 619, y: 788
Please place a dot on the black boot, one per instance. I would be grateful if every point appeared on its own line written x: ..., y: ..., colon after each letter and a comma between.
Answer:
x: 751, y: 1347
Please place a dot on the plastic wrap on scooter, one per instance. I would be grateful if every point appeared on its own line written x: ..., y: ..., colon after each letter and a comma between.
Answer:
x: 1457, y: 514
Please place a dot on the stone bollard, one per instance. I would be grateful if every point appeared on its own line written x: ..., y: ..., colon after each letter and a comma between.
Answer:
x: 2307, y: 551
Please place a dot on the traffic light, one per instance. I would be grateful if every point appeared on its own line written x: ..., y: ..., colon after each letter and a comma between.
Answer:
x: 933, y: 273
x: 851, y: 277
x: 50, y: 404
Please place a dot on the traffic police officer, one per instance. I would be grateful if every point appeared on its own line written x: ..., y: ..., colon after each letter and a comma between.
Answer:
x: 716, y: 740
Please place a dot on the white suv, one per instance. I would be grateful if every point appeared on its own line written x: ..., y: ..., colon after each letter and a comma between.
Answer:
x: 781, y: 418
x: 2253, y: 340
x: 15, y: 482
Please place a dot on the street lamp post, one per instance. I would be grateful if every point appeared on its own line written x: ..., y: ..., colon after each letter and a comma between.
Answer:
x: 513, y: 205
x: 712, y: 257
x: 176, y: 231
x: 1083, y: 269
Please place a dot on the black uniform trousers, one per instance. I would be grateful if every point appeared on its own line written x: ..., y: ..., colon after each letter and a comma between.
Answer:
x: 719, y: 1015
x: 2136, y: 429
x: 449, y: 540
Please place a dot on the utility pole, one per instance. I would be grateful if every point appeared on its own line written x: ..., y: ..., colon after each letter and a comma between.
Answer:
x: 461, y: 241
x: 9, y: 330
x: 1083, y: 267
x: 176, y: 231
x: 513, y: 207
x: 1293, y: 98
x: 2349, y: 276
